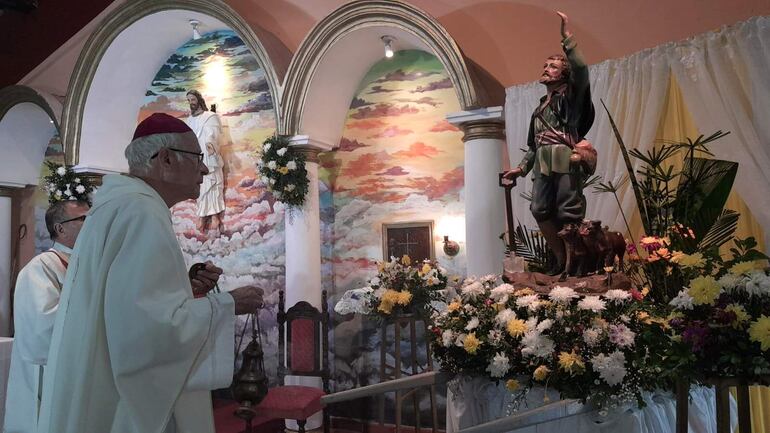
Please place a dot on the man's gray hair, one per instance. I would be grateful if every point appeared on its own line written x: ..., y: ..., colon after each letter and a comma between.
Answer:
x: 140, y: 151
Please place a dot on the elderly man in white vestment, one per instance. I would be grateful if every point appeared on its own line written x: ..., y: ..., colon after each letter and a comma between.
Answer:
x: 208, y: 129
x: 132, y: 350
x: 36, y: 299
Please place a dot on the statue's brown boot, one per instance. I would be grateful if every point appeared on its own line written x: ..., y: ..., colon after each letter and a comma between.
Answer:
x: 550, y: 230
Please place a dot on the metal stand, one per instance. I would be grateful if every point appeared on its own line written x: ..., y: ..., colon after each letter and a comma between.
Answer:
x: 390, y: 372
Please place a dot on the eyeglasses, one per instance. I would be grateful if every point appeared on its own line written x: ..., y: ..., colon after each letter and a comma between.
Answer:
x: 198, y: 154
x: 80, y: 218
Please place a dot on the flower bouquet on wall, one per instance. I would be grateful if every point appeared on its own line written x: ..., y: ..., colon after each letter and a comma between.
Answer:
x: 283, y: 171
x: 607, y: 348
x: 64, y: 184
x: 400, y: 287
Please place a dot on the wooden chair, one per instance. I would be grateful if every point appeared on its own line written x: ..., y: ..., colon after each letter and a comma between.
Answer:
x: 304, y: 353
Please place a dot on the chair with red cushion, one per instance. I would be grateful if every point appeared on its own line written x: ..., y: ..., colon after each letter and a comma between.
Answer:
x: 304, y: 353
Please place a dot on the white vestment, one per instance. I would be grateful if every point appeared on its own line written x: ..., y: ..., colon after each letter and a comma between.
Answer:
x: 132, y: 351
x: 208, y: 129
x: 35, y: 302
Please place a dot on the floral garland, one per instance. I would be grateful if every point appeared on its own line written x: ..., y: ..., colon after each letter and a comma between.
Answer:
x: 607, y: 348
x: 283, y: 171
x: 64, y: 184
x: 400, y: 287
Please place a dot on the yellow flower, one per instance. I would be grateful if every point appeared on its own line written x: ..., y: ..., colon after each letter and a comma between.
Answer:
x: 694, y: 260
x: 453, y: 306
x: 385, y: 306
x: 600, y: 323
x: 545, y: 304
x: 571, y: 362
x: 404, y: 297
x: 759, y: 331
x: 523, y: 292
x: 609, y: 269
x: 471, y: 343
x: 426, y: 268
x: 741, y: 316
x: 512, y: 384
x: 704, y: 290
x: 643, y: 317
x: 743, y: 268
x: 516, y: 327
x: 541, y: 373
x: 380, y: 267
x: 663, y: 323
x: 283, y: 170
x: 645, y: 291
x: 405, y: 260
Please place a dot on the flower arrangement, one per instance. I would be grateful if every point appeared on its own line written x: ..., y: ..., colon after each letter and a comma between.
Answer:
x: 608, y: 348
x: 720, y: 324
x: 64, y: 184
x: 283, y: 171
x: 400, y: 287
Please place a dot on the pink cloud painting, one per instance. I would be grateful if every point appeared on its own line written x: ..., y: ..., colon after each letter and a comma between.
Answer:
x: 418, y: 150
x: 383, y: 110
x: 392, y: 131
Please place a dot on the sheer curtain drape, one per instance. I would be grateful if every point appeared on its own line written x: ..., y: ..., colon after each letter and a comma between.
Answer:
x: 724, y: 80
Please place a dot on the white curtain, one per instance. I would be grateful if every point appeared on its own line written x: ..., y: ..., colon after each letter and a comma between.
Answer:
x: 722, y: 80
x: 725, y: 81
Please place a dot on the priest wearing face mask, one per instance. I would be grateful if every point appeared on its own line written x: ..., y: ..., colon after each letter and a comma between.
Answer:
x: 132, y: 350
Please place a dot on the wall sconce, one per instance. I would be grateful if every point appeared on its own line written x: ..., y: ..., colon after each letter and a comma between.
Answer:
x: 451, y: 248
x: 194, y: 24
x: 387, y: 40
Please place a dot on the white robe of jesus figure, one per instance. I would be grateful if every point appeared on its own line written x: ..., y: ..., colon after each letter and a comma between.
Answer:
x: 35, y: 302
x: 208, y: 129
x: 132, y: 350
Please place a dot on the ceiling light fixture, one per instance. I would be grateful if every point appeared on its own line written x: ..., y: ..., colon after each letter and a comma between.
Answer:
x: 387, y: 40
x: 195, y: 24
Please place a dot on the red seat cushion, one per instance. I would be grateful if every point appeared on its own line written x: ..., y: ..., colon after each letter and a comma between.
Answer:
x: 291, y: 402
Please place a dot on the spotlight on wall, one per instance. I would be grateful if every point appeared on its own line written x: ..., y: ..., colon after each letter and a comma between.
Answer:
x: 387, y: 40
x: 194, y: 24
x: 451, y: 248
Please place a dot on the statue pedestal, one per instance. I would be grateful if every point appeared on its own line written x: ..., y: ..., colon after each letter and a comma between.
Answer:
x: 591, y: 284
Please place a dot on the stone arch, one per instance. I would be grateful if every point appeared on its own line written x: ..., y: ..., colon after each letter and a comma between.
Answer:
x: 474, y: 88
x: 115, y: 25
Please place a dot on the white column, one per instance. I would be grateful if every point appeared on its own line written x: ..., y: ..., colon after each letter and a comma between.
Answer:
x: 484, y: 200
x: 5, y: 266
x: 303, y: 253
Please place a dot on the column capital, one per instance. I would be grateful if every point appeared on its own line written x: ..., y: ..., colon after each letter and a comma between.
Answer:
x: 93, y: 174
x: 481, y: 123
x: 309, y: 147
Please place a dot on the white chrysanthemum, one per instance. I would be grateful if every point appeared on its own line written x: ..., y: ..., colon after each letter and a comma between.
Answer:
x: 67, y: 192
x: 495, y: 336
x: 58, y: 193
x: 272, y: 181
x: 80, y: 189
x: 591, y: 303
x: 265, y: 180
x: 72, y: 198
x: 683, y: 301
x: 77, y: 180
x: 289, y: 187
x: 291, y: 165
x: 730, y: 281
x: 504, y: 317
x: 562, y: 295
x: 534, y: 344
x: 272, y: 165
x: 354, y: 301
x: 61, y: 171
x: 612, y: 368
x: 282, y: 151
x: 621, y: 335
x: 757, y: 283
x: 501, y: 293
x: 591, y: 336
x: 488, y: 278
x: 499, y: 365
x: 460, y: 340
x: 267, y: 146
x: 544, y: 325
x: 375, y: 281
x: 526, y: 301
x: 472, y: 324
x: 473, y: 290
x: 617, y: 296
x: 447, y: 338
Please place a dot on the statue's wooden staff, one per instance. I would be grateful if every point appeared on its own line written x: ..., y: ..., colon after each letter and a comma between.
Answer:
x: 508, y: 185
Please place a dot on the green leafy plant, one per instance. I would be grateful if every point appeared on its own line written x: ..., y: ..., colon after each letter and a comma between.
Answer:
x: 283, y: 171
x: 64, y: 184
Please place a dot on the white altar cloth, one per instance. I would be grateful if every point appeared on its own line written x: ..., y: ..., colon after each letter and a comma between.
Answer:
x: 6, y: 344
x: 479, y: 400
